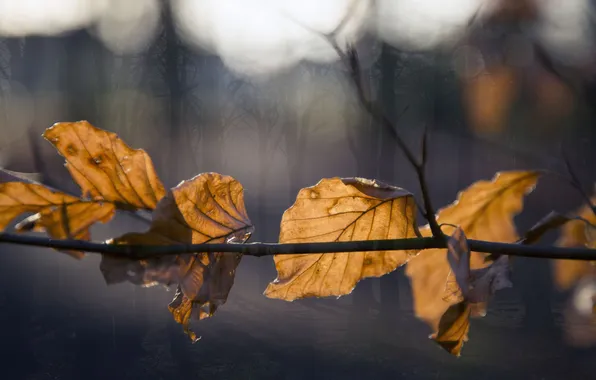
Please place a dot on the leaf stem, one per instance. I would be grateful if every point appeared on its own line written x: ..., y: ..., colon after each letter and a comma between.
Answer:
x: 269, y: 249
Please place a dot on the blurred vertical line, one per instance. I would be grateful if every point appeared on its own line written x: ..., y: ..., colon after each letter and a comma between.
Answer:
x: 386, y: 164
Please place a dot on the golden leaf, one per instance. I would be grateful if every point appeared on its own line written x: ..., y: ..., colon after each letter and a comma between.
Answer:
x: 483, y: 211
x: 341, y: 210
x: 105, y: 167
x: 576, y: 233
x: 453, y: 328
x: 61, y: 215
x: 208, y: 208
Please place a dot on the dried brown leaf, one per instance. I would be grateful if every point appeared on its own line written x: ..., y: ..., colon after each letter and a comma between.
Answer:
x: 551, y: 221
x: 576, y: 233
x: 453, y: 328
x: 206, y: 209
x: 59, y: 214
x: 467, y: 291
x: 341, y: 210
x: 105, y: 167
x: 458, y: 256
x: 483, y: 211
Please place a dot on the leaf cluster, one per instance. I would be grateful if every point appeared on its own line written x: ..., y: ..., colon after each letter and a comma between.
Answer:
x: 450, y: 285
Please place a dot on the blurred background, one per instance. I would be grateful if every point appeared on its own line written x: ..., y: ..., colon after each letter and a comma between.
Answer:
x: 252, y: 90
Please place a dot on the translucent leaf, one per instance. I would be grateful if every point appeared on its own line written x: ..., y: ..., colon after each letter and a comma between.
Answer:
x: 337, y: 209
x: 105, y: 167
x: 576, y: 233
x: 61, y: 215
x: 483, y: 211
x: 206, y: 209
x: 453, y: 328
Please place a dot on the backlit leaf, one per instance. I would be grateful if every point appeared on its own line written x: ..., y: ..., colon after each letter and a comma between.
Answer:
x: 483, y: 211
x: 453, y: 328
x: 337, y: 209
x: 576, y: 233
x: 108, y: 171
x: 58, y: 214
x: 206, y: 209
x: 105, y: 167
x: 468, y: 292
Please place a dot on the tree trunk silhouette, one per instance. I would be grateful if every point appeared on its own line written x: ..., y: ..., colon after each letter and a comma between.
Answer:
x: 212, y: 126
x: 174, y: 76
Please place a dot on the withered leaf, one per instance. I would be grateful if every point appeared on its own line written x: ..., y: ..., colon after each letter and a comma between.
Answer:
x: 576, y: 233
x: 551, y: 221
x: 61, y: 215
x: 468, y: 293
x: 483, y: 211
x: 458, y: 256
x: 453, y: 328
x: 208, y: 208
x: 105, y: 167
x: 349, y: 209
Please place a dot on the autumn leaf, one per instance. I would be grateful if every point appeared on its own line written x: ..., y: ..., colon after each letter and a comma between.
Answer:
x: 61, y: 215
x: 467, y: 292
x: 483, y: 211
x: 576, y: 233
x: 453, y: 328
x: 208, y: 208
x: 105, y: 167
x: 335, y: 209
x: 108, y: 171
x: 458, y: 256
x: 549, y: 222
x: 475, y: 285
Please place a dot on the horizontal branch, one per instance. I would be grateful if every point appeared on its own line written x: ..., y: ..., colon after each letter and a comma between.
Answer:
x: 268, y: 249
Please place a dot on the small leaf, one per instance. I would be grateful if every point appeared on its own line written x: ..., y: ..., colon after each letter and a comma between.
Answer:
x: 181, y: 309
x: 458, y: 256
x: 105, y: 167
x: 453, y: 328
x: 473, y: 286
x: 60, y: 215
x: 337, y: 209
x: 485, y: 282
x: 549, y: 222
x: 206, y: 209
x: 576, y: 233
x: 483, y: 211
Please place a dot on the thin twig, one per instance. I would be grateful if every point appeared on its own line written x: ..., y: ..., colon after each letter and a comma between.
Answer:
x: 577, y: 186
x: 269, y: 249
x: 350, y: 59
x: 353, y: 65
x: 574, y: 180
